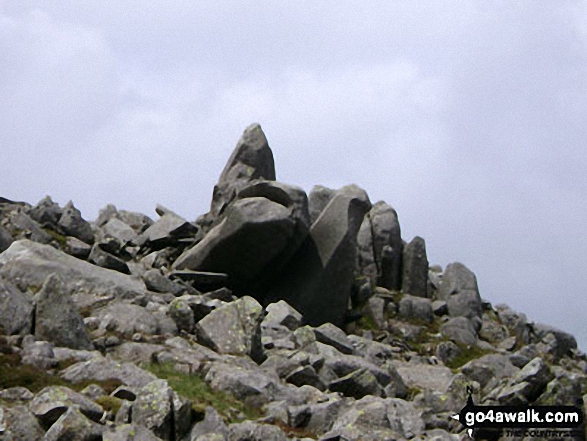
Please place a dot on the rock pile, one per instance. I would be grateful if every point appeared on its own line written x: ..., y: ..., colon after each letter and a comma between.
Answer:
x: 274, y: 316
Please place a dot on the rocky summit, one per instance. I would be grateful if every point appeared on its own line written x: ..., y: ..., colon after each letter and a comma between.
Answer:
x: 275, y: 316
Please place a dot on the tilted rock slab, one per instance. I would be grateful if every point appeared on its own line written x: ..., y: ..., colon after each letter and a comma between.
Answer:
x: 318, y: 280
x: 254, y: 231
x: 28, y: 264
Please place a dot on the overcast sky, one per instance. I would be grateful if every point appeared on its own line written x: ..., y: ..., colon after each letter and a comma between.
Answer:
x: 468, y: 117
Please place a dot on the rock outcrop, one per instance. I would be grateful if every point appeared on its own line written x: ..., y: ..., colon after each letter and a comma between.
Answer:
x: 275, y: 316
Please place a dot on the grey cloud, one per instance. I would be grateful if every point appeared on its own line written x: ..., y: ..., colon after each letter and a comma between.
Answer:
x: 467, y: 118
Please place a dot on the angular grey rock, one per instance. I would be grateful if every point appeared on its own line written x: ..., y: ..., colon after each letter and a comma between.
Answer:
x: 537, y: 375
x: 5, y: 239
x: 516, y: 322
x: 333, y: 336
x: 76, y: 248
x: 392, y: 417
x: 305, y: 375
x: 253, y: 431
x: 466, y: 303
x: 128, y: 319
x: 53, y: 401
x: 102, y: 369
x: 460, y: 330
x: 129, y: 432
x: 153, y: 409
x: 72, y: 224
x: 182, y: 315
x: 342, y: 364
x: 19, y: 425
x: 253, y: 233
x: 167, y: 230
x: 558, y: 343
x: 23, y: 226
x: 318, y: 200
x: 211, y: 424
x: 16, y: 310
x: 16, y: 394
x: 57, y: 319
x: 233, y: 328
x: 73, y: 425
x: 357, y: 384
x: 137, y: 221
x: 366, y: 265
x: 38, y: 353
x: 27, y: 264
x: 47, y: 212
x: 415, y: 268
x: 447, y: 351
x: 412, y: 307
x: 318, y: 280
x: 456, y: 278
x: 281, y: 313
x: 489, y: 367
x: 424, y: 376
x: 492, y: 331
x: 254, y: 386
x: 251, y: 159
x: 102, y: 258
x: 157, y: 282
x: 387, y: 245
x: 119, y: 230
x: 105, y: 214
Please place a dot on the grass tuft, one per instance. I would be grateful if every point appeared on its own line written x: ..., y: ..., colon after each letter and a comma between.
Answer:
x: 195, y: 389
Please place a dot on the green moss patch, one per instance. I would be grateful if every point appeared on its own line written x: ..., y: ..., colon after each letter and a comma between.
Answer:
x: 466, y: 354
x: 58, y: 237
x: 13, y: 373
x: 195, y: 389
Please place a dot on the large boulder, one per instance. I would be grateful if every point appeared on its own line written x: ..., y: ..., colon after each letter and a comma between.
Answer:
x: 459, y: 289
x: 57, y: 319
x: 16, y: 310
x: 167, y: 230
x: 72, y: 224
x: 234, y: 328
x: 387, y: 245
x: 47, y: 212
x: 28, y: 264
x: 251, y: 159
x: 318, y: 199
x: 5, y: 239
x: 318, y: 280
x: 415, y: 268
x: 253, y: 233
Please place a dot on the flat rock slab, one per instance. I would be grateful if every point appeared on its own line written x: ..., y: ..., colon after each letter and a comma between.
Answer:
x: 424, y: 376
x: 27, y: 264
x: 203, y: 281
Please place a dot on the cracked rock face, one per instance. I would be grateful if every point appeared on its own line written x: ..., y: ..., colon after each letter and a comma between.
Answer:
x: 275, y: 316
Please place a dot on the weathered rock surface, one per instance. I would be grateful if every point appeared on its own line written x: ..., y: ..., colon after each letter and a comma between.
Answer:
x: 338, y: 353
x: 234, y: 328
x: 318, y: 280
x: 251, y: 159
x: 28, y: 264
x: 16, y: 310
x: 72, y: 224
x: 57, y: 319
x: 253, y: 233
x: 415, y: 268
